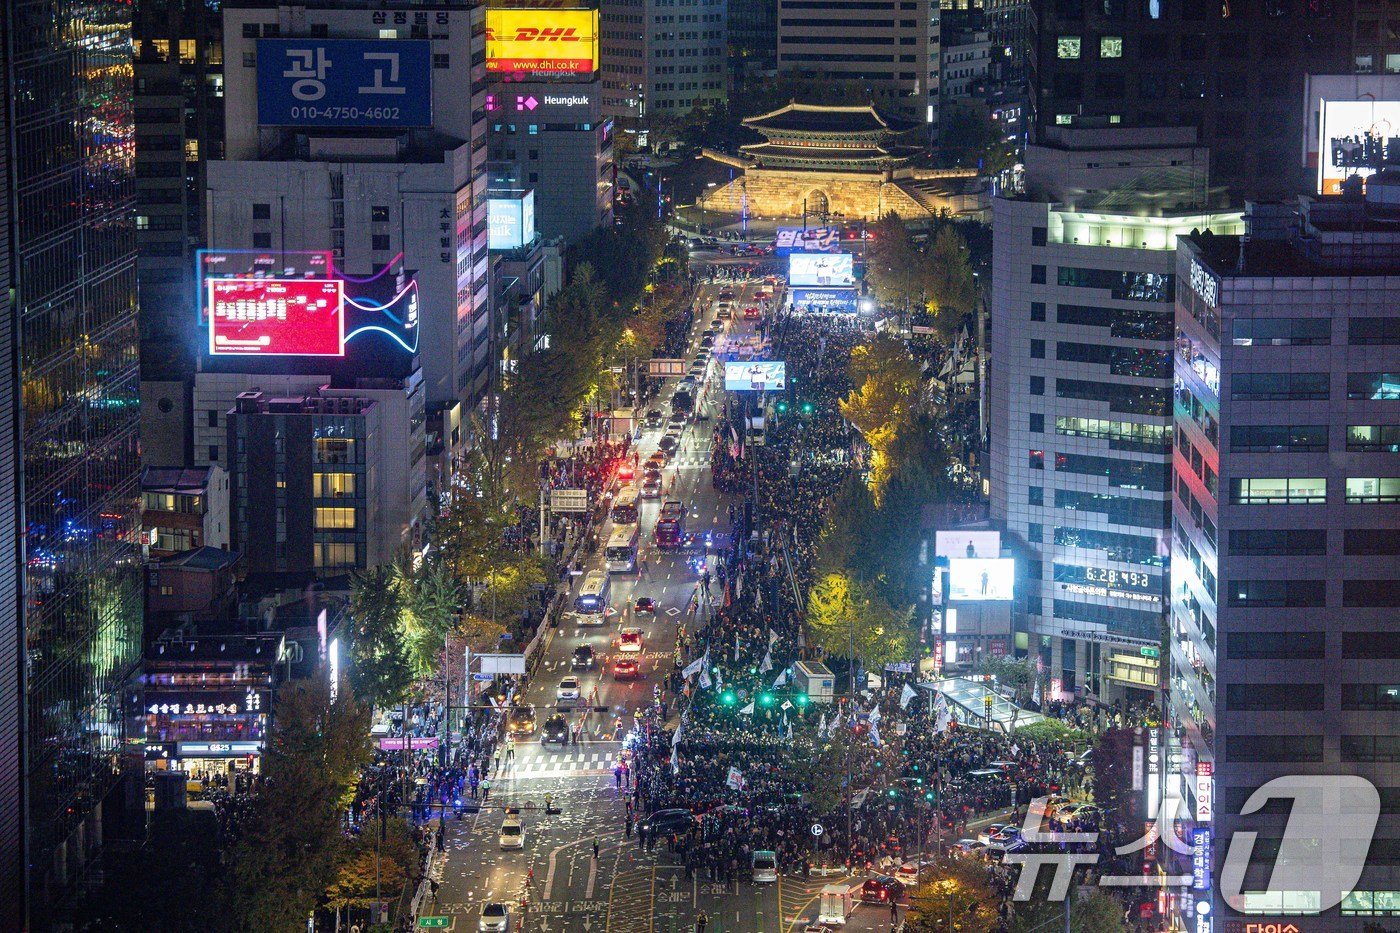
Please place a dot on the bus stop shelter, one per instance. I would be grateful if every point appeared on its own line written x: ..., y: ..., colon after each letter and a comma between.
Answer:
x: 977, y: 704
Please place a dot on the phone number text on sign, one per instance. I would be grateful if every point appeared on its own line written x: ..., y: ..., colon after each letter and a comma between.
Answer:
x: 272, y: 317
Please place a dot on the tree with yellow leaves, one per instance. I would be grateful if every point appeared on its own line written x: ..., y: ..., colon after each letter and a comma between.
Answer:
x: 887, y: 394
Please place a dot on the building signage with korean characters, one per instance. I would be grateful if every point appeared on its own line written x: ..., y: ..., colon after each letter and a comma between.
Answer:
x: 1204, y: 283
x: 345, y: 82
x: 206, y: 703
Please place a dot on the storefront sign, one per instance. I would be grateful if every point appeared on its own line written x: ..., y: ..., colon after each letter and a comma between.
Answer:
x: 206, y: 703
x: 1200, y: 859
x: 217, y: 749
x: 414, y: 743
x: 1205, y: 793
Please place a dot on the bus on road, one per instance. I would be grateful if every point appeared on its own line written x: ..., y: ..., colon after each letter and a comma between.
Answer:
x: 621, y: 554
x: 670, y: 527
x: 624, y: 510
x: 593, y: 595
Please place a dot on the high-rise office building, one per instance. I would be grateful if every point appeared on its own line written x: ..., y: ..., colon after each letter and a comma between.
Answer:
x: 662, y: 56
x: 179, y: 88
x: 1081, y: 338
x: 887, y: 49
x: 384, y: 168
x: 12, y: 777
x: 753, y: 40
x: 1234, y: 71
x: 72, y: 264
x: 1284, y: 551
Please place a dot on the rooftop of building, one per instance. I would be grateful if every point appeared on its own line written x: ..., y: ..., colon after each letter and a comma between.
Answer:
x: 821, y: 120
x: 176, y: 647
x: 201, y: 558
x: 1324, y: 236
x: 257, y: 402
x: 827, y: 154
x: 184, y: 481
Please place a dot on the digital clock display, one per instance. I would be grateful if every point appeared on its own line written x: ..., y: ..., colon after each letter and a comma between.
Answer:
x: 1127, y: 579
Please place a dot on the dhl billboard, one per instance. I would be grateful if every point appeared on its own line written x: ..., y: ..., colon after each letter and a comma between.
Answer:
x: 542, y: 43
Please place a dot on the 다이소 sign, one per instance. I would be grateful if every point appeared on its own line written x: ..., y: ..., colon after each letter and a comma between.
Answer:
x: 345, y: 82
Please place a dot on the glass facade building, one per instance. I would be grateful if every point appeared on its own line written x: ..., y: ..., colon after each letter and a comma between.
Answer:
x: 73, y: 268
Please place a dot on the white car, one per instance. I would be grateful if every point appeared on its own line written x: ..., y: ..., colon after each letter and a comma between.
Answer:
x: 495, y: 918
x: 568, y: 691
x: 629, y: 640
x: 512, y: 833
x: 986, y: 835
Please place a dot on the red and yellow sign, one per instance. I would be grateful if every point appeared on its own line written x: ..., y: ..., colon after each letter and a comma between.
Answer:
x: 542, y: 43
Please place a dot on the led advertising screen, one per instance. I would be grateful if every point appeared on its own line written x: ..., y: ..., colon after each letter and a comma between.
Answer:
x: 975, y: 578
x: 510, y: 220
x: 273, y: 317
x: 758, y: 376
x: 256, y: 264
x: 823, y: 300
x: 345, y: 82
x: 816, y: 240
x: 1356, y: 136
x: 542, y: 43
x: 821, y: 270
x: 985, y: 544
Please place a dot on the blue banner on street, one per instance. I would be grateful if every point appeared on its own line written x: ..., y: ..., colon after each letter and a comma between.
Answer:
x: 345, y: 82
x: 824, y: 300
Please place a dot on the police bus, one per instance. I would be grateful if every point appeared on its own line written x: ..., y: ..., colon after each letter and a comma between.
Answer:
x: 592, y: 600
x: 621, y: 553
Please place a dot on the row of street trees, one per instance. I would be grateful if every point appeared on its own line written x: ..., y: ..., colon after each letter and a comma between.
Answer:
x: 932, y: 282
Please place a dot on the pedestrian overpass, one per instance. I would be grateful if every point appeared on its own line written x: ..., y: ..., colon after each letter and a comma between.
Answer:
x: 975, y: 703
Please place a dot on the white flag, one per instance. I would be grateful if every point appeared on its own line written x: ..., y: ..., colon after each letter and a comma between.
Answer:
x: 874, y: 715
x: 748, y: 709
x: 772, y: 637
x: 676, y: 739
x: 782, y: 679
x: 821, y: 727
x: 858, y: 800
x: 735, y: 780
x: 705, y: 681
x: 694, y: 667
x: 905, y: 695
x: 1035, y: 695
x: 767, y: 664
x: 736, y: 647
x: 940, y: 709
x: 675, y: 760
x: 875, y: 734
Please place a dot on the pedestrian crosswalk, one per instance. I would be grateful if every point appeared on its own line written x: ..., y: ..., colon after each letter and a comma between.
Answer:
x: 554, y: 763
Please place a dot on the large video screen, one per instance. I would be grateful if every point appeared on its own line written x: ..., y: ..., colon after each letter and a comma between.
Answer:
x: 510, y: 221
x: 789, y: 240
x: 984, y: 544
x: 823, y: 300
x: 821, y: 270
x: 762, y: 376
x: 275, y: 317
x: 1357, y: 136
x: 345, y: 82
x: 974, y: 578
x: 542, y: 43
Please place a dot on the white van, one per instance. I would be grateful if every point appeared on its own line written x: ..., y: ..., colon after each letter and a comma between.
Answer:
x: 722, y: 310
x: 512, y: 833
x: 765, y: 867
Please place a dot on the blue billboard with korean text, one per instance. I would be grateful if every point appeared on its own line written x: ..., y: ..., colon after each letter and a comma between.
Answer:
x: 345, y: 82
x: 823, y: 300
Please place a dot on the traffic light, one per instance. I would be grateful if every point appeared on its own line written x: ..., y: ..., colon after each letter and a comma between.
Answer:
x: 781, y: 407
x: 808, y: 408
x: 931, y: 795
x: 728, y: 697
x: 766, y: 698
x: 801, y: 700
x: 893, y: 792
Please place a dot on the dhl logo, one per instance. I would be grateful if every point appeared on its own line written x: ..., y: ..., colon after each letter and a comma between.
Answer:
x: 531, y: 34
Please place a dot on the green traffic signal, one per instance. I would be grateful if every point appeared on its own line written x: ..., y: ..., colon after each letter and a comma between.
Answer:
x: 801, y: 699
x: 808, y: 408
x: 893, y: 792
x: 782, y: 407
x: 765, y: 698
x: 930, y: 796
x: 728, y: 698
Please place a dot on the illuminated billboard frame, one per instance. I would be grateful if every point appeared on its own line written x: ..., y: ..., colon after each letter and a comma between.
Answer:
x: 1353, y: 138
x: 276, y: 317
x: 256, y: 264
x: 510, y: 220
x: 966, y: 544
x: 821, y: 270
x: 542, y: 42
x: 975, y: 579
x: 788, y: 240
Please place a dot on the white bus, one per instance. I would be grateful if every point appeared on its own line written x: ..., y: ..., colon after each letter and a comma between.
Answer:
x: 624, y: 510
x: 621, y: 554
x: 593, y: 596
